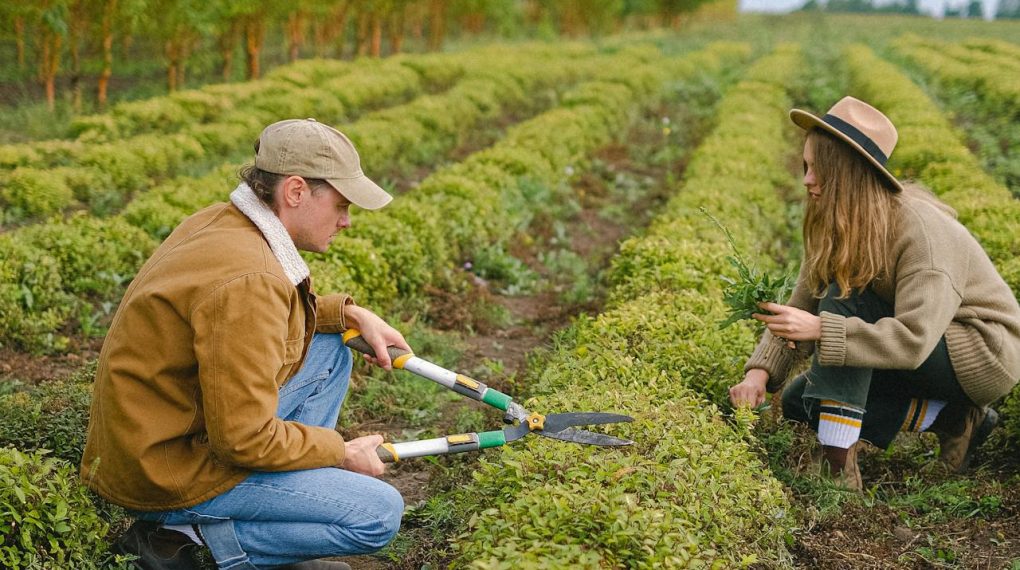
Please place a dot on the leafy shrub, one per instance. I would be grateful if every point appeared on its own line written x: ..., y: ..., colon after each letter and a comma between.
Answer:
x: 31, y: 192
x: 700, y: 500
x: 47, y: 520
x: 33, y: 303
x: 96, y: 256
x: 52, y: 416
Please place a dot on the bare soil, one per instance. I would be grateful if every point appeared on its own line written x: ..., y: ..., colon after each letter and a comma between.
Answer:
x: 535, y: 316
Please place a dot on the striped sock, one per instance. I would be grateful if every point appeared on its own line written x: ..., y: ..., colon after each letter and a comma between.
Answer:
x: 921, y: 414
x: 839, y: 425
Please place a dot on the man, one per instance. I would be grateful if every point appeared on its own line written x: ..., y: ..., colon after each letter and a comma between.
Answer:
x: 221, y: 379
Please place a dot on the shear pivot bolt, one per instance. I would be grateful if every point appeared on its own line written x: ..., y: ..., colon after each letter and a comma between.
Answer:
x: 536, y: 421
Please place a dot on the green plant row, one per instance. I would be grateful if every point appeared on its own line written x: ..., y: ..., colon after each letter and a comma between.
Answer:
x: 103, y: 175
x: 994, y: 47
x: 474, y: 203
x: 416, y: 133
x: 994, y: 78
x: 388, y: 256
x: 974, y: 85
x: 690, y: 492
x: 931, y: 151
x: 54, y: 175
x: 71, y: 272
x: 183, y: 109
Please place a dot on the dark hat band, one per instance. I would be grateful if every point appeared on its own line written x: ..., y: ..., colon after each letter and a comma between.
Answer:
x: 858, y: 137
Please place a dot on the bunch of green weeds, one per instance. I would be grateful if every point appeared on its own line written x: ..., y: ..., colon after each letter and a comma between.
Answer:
x: 752, y: 285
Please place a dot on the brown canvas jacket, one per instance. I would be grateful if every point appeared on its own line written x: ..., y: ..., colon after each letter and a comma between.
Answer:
x: 187, y: 386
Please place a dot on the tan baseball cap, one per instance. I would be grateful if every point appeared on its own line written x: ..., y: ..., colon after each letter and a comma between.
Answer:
x: 306, y: 147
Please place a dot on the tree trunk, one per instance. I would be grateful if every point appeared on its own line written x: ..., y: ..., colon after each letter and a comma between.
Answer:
x: 50, y: 65
x: 184, y: 52
x: 417, y: 24
x: 376, y: 45
x: 320, y: 37
x: 75, y: 71
x: 19, y: 40
x: 75, y: 32
x: 109, y: 9
x: 437, y: 24
x: 170, y: 50
x: 397, y: 30
x: 338, y: 31
x: 226, y: 43
x: 295, y: 35
x: 474, y: 23
x: 253, y: 45
x: 361, y: 33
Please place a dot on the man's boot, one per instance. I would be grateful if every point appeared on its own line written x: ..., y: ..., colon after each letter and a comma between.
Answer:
x: 157, y: 548
x: 841, y: 466
x: 962, y: 428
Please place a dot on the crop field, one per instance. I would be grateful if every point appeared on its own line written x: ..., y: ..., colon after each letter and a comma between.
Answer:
x: 555, y: 233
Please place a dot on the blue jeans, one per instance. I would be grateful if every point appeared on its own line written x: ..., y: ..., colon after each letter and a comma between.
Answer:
x: 276, y: 518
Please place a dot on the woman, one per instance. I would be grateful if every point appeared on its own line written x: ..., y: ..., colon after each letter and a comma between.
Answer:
x: 911, y: 326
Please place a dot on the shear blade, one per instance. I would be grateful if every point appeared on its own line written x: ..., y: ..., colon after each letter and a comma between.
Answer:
x: 563, y: 427
x: 559, y: 422
x: 583, y: 436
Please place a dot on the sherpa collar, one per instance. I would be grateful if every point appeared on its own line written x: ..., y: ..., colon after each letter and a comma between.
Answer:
x: 272, y: 228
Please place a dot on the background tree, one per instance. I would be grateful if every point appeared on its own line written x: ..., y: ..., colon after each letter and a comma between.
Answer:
x: 1008, y: 9
x: 52, y: 20
x: 13, y: 17
x: 182, y: 23
x: 437, y: 24
x: 671, y: 12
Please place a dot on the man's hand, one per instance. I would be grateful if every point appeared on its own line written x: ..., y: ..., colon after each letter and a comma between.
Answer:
x: 360, y: 456
x: 790, y: 323
x: 377, y: 333
x: 750, y: 392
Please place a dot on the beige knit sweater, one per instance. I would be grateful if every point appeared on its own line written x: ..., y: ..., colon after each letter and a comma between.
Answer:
x: 942, y: 283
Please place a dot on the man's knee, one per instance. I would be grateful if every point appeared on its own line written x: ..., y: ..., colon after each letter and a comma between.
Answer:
x: 382, y: 520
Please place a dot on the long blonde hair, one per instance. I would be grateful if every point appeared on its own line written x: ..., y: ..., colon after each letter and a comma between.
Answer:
x: 849, y: 229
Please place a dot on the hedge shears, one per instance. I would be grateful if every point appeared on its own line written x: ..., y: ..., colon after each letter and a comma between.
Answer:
x: 522, y: 422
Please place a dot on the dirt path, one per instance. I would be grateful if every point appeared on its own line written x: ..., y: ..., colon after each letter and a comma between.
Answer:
x: 593, y: 232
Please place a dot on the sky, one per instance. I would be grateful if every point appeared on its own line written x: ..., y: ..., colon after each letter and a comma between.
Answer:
x: 934, y: 7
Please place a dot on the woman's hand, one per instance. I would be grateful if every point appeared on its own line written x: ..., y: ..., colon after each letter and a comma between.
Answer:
x: 750, y: 392
x: 377, y: 333
x: 790, y: 323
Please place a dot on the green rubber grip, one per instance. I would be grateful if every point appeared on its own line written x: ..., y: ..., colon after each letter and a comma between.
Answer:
x: 497, y: 399
x: 488, y: 439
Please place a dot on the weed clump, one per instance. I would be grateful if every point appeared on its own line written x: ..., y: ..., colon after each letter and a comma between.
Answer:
x: 752, y: 285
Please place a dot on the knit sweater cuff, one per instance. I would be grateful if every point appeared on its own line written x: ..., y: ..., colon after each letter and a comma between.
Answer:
x: 832, y: 345
x: 774, y: 357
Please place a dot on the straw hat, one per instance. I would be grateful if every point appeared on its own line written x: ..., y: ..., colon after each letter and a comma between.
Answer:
x: 861, y: 126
